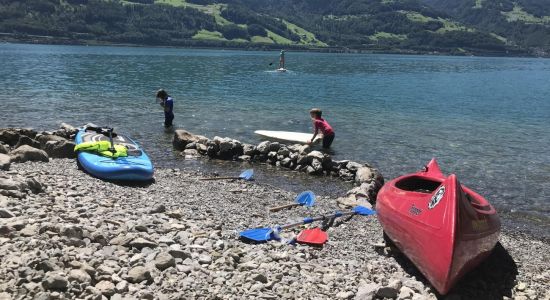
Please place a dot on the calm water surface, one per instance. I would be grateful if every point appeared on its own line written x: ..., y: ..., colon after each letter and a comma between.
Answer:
x: 485, y: 119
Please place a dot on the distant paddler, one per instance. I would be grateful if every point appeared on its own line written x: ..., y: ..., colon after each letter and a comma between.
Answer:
x: 282, y: 59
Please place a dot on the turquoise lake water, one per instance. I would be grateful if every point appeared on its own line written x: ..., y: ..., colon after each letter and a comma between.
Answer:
x: 485, y: 119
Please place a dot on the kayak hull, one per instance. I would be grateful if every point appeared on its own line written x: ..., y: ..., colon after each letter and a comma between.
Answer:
x: 135, y: 167
x: 443, y: 227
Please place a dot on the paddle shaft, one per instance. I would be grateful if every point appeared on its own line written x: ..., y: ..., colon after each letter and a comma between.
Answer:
x: 112, y: 149
x: 278, y: 208
x: 311, y: 220
x: 220, y: 178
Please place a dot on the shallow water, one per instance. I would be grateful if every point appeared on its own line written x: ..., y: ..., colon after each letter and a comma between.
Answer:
x: 485, y: 119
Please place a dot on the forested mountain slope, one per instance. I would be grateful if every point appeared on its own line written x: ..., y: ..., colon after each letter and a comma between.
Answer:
x: 525, y: 23
x: 382, y: 25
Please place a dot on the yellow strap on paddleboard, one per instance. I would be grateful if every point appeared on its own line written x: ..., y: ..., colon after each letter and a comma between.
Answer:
x: 102, y: 148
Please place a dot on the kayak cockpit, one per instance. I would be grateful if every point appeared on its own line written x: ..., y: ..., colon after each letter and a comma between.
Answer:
x: 417, y: 184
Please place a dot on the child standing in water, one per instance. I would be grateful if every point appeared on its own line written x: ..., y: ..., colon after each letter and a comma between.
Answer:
x: 320, y: 124
x: 168, y: 103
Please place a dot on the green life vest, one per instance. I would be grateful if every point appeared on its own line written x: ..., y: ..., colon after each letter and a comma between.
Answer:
x: 102, y: 148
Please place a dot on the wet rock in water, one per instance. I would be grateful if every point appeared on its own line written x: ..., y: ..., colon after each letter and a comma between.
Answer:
x: 5, y: 162
x: 184, y: 137
x: 25, y: 140
x: 27, y: 153
x: 60, y: 149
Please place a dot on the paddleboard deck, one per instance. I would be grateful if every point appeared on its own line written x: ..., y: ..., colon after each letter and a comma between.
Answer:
x: 288, y: 136
x: 281, y: 70
x: 135, y: 167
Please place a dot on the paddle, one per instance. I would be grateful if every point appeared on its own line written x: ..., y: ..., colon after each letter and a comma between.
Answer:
x: 112, y: 148
x: 306, y: 198
x: 261, y: 235
x: 312, y: 236
x: 246, y: 175
x: 317, y: 236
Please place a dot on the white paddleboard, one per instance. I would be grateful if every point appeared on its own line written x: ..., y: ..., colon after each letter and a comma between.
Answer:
x: 281, y: 70
x: 295, y: 137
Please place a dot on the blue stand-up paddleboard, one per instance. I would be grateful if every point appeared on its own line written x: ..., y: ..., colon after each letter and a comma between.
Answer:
x: 136, y: 166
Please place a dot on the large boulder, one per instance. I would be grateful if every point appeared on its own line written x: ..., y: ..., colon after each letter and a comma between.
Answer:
x: 263, y: 147
x: 11, y: 136
x: 4, y: 149
x: 249, y: 150
x: 25, y: 140
x: 184, y: 137
x: 28, y: 153
x: 67, y: 131
x: 367, y: 174
x: 5, y: 162
x: 353, y: 166
x: 46, y: 137
x: 60, y: 149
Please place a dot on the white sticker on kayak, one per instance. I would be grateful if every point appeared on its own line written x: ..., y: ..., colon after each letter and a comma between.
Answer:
x: 436, y: 197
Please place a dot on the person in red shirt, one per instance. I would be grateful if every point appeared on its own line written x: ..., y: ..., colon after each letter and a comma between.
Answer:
x: 320, y: 124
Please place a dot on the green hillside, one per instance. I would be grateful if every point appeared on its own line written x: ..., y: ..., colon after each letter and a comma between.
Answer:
x: 414, y: 26
x: 523, y: 23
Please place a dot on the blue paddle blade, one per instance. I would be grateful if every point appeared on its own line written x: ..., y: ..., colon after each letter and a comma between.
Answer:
x: 364, y: 211
x: 258, y: 235
x: 247, y: 174
x: 306, y: 198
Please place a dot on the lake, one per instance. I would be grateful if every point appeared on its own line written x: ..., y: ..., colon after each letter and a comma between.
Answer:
x: 485, y: 119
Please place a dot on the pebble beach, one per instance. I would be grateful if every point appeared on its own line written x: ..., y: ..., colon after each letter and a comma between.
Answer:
x: 67, y: 235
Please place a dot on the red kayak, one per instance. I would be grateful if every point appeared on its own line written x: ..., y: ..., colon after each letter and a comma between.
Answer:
x: 443, y: 227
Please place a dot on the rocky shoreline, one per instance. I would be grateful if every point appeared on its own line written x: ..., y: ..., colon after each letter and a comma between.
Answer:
x: 66, y: 235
